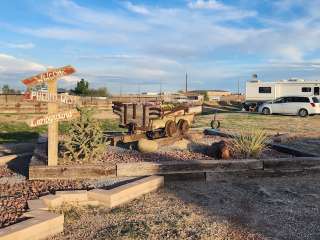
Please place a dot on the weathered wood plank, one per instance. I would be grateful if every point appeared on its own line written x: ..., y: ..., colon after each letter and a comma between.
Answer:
x: 299, y: 163
x: 71, y: 172
x: 174, y: 167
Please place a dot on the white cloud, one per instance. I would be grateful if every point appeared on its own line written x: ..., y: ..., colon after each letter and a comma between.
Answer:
x: 27, y: 45
x: 209, y: 4
x: 227, y: 12
x: 140, y: 9
x: 291, y: 53
x: 11, y: 65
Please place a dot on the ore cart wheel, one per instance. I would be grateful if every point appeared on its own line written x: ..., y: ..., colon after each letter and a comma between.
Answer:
x: 183, y: 126
x: 170, y: 128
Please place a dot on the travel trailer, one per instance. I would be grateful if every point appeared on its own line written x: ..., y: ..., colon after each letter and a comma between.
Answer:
x: 258, y: 92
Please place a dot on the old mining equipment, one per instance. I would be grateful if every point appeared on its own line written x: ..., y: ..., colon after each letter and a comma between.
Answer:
x: 151, y: 120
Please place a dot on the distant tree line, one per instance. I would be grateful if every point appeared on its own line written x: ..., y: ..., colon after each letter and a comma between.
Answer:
x: 7, y: 90
x: 82, y: 88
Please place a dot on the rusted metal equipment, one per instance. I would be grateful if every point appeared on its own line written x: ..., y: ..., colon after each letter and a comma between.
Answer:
x: 150, y: 120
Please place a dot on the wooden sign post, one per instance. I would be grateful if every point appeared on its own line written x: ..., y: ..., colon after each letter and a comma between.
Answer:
x: 53, y: 128
x: 52, y: 119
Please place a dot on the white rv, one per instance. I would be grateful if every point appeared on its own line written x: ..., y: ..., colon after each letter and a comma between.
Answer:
x: 258, y: 92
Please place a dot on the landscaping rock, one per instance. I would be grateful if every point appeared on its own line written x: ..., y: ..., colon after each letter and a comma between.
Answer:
x: 147, y: 146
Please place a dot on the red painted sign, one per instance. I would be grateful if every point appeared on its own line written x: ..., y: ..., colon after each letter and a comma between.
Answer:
x: 50, y: 75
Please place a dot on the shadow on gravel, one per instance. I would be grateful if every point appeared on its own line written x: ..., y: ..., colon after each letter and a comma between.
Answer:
x: 20, y: 165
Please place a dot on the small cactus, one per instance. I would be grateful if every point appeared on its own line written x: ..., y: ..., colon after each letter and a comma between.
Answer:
x: 85, y: 141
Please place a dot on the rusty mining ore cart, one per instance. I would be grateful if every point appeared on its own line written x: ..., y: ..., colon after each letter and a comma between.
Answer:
x: 151, y: 121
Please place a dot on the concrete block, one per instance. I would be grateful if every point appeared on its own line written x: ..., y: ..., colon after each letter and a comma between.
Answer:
x: 35, y: 228
x: 100, y: 195
x: 52, y: 201
x: 125, y: 193
x: 90, y: 203
x: 130, y: 191
x: 37, y: 204
x: 73, y: 196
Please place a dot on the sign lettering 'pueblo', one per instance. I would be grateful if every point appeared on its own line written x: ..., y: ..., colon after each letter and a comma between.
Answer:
x: 50, y: 118
x: 51, y: 75
x: 42, y: 96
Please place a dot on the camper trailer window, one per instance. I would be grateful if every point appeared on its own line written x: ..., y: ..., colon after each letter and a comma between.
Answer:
x: 264, y: 89
x: 306, y: 89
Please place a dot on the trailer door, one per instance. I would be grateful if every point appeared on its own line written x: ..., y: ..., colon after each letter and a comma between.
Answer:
x: 316, y: 91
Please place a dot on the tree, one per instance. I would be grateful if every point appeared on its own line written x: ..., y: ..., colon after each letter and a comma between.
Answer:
x: 100, y: 92
x: 82, y: 87
x: 206, y: 97
x: 7, y: 90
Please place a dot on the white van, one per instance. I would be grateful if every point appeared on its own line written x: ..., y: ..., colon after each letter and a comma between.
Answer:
x: 292, y: 105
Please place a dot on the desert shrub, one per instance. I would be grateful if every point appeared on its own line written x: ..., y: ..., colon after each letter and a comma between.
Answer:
x: 249, y: 144
x: 85, y: 141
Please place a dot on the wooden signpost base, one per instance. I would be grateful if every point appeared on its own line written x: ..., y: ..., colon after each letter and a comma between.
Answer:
x: 53, y: 128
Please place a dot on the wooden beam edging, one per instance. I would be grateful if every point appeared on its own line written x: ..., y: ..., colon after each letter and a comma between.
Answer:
x: 276, y: 146
x: 203, y: 166
x: 43, y: 224
x: 299, y: 163
x: 41, y: 172
x: 195, y: 166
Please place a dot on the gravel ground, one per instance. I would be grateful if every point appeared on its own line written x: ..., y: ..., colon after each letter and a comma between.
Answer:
x: 224, y: 207
x: 192, y: 148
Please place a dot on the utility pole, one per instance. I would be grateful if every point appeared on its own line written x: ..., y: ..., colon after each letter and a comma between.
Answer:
x: 238, y: 89
x: 186, y: 82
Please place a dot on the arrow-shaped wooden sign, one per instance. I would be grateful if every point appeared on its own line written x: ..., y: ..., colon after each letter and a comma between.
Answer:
x: 44, y: 96
x: 50, y: 75
x: 54, y: 117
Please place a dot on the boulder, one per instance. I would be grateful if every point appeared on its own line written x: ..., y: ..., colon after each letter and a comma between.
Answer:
x: 147, y: 146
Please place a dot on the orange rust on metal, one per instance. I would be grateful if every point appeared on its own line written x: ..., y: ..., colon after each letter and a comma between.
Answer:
x: 48, y: 76
x: 55, y: 117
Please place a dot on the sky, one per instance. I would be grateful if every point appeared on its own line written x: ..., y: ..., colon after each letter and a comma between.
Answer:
x: 138, y: 46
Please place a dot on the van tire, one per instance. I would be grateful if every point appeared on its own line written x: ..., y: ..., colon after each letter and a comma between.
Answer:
x: 266, y: 111
x: 303, y: 112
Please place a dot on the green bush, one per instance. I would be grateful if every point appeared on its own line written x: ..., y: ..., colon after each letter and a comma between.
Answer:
x: 85, y: 141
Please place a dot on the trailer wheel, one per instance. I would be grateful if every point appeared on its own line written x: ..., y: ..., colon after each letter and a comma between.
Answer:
x: 215, y: 124
x: 303, y: 112
x: 266, y: 111
x: 170, y: 128
x: 183, y: 126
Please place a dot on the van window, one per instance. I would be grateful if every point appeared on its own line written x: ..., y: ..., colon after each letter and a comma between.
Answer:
x: 279, y: 100
x: 315, y: 100
x: 264, y: 89
x: 301, y: 99
x: 289, y: 99
x: 306, y: 89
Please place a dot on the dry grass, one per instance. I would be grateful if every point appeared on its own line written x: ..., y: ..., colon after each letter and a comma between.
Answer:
x: 304, y: 133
